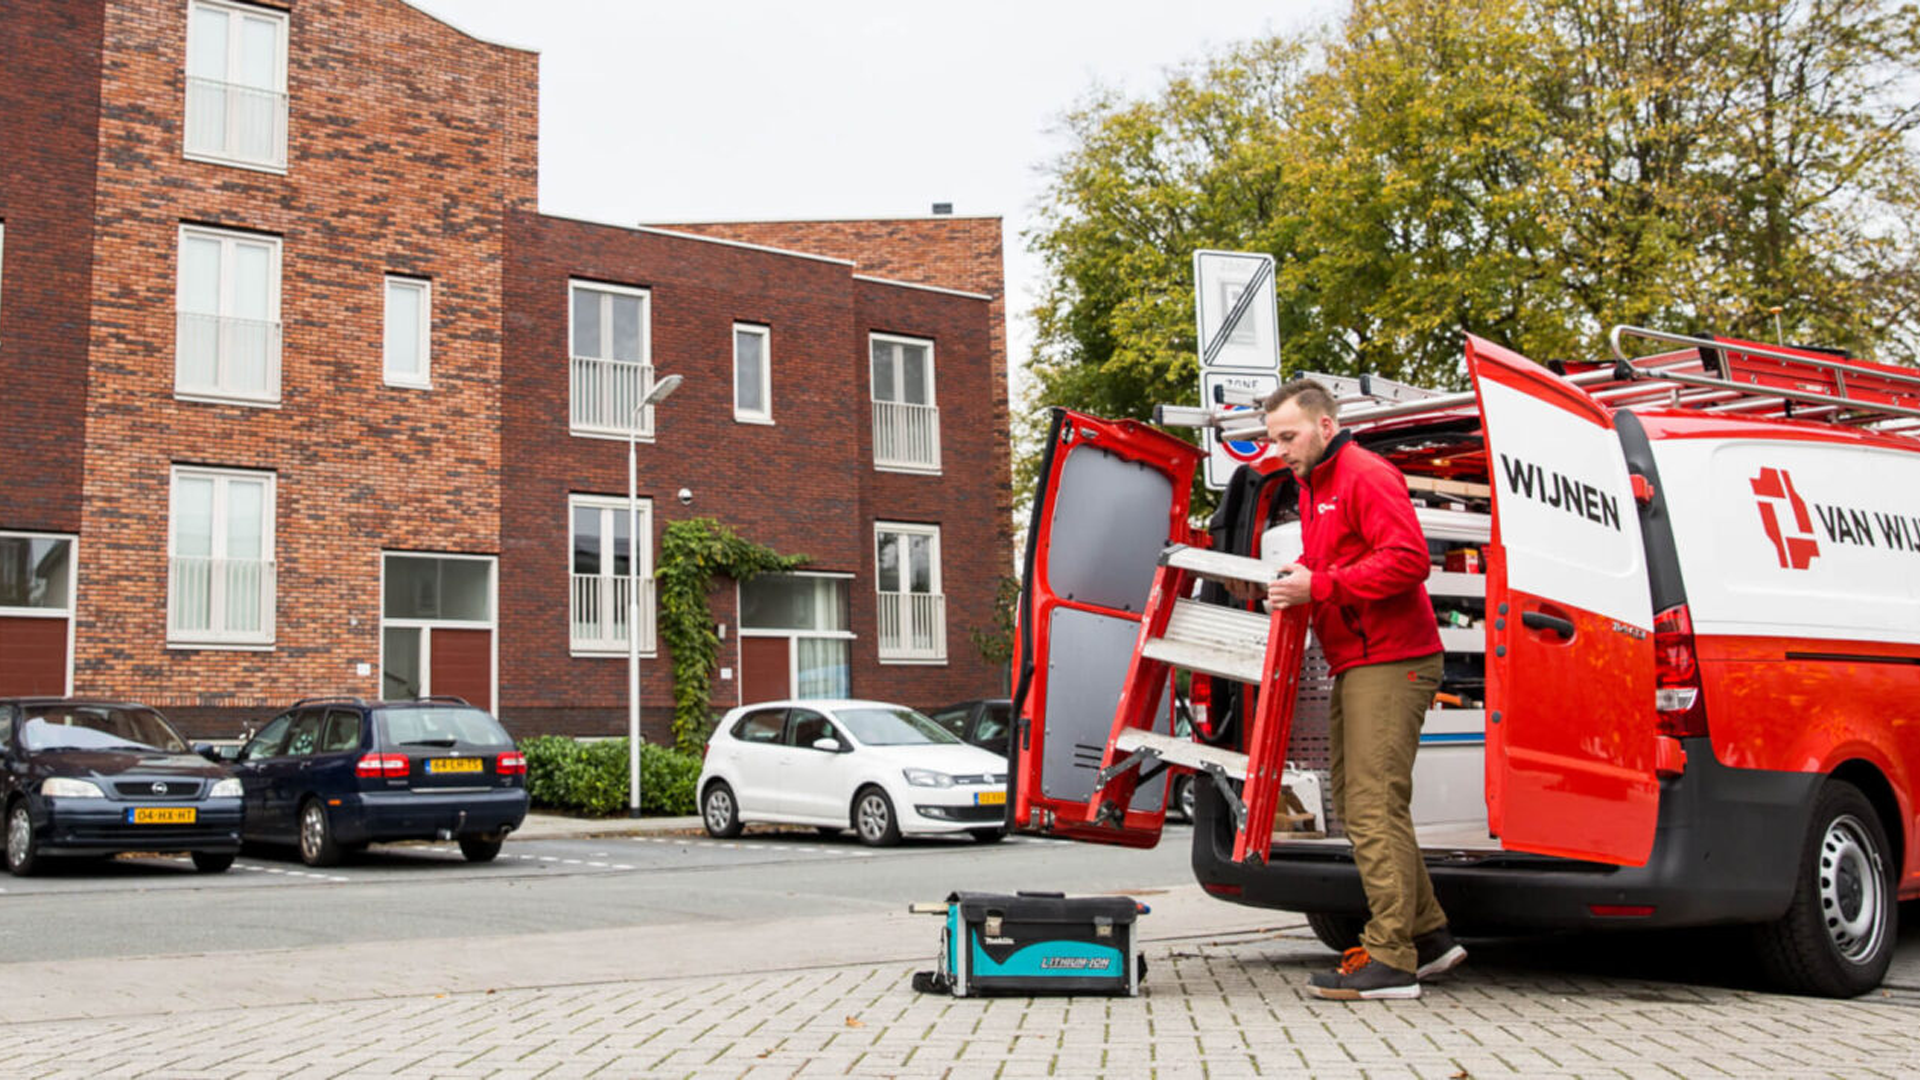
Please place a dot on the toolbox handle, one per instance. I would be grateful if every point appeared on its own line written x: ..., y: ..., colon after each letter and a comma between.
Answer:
x: 1042, y: 895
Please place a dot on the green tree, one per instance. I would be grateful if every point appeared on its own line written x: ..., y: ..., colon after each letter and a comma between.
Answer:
x: 1529, y: 170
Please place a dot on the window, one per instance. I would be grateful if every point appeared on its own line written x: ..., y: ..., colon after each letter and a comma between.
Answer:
x: 268, y: 742
x: 409, y: 332
x: 220, y: 584
x: 912, y: 610
x: 228, y: 341
x: 752, y: 375
x: 611, y: 367
x: 906, y: 423
x: 601, y: 547
x: 811, y: 611
x: 761, y: 726
x: 36, y: 574
x: 237, y: 85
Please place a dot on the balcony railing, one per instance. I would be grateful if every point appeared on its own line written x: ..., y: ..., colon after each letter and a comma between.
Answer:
x: 221, y: 600
x: 235, y: 122
x: 224, y: 357
x: 600, y: 613
x: 913, y: 626
x: 906, y: 436
x: 605, y: 392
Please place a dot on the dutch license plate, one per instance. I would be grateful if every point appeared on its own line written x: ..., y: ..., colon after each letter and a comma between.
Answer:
x: 161, y: 815
x: 989, y: 798
x: 453, y: 765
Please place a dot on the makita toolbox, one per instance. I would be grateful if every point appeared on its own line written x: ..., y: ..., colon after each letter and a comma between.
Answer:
x: 1035, y: 943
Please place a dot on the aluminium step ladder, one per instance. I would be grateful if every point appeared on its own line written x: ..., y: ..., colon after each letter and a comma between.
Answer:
x: 1214, y: 639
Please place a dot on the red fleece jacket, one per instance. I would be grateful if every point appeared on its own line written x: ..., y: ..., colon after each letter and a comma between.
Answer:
x: 1368, y: 558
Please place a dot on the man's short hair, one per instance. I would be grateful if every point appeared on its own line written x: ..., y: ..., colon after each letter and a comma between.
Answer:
x: 1312, y: 396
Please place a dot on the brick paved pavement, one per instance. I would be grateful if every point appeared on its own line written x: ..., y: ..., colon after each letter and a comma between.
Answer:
x: 1226, y: 1008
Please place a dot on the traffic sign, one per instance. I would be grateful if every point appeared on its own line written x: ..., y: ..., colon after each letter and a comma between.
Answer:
x: 1234, y: 312
x: 1226, y: 455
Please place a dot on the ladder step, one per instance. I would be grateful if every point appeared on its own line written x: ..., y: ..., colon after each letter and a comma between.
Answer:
x: 1215, y: 639
x: 1217, y: 564
x: 1181, y: 751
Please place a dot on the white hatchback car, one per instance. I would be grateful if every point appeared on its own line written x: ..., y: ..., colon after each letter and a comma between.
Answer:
x: 880, y: 769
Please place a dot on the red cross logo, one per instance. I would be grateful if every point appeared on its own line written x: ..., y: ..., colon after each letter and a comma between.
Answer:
x: 1796, y: 551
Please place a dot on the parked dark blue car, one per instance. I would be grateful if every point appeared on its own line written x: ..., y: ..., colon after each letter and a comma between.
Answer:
x: 103, y: 777
x: 332, y: 775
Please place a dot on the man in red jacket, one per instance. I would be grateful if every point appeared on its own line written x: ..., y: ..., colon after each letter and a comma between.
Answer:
x: 1364, y: 563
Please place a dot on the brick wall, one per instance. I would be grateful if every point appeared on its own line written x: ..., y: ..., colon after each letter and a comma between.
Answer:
x: 954, y: 252
x: 408, y: 141
x: 49, y: 109
x: 805, y: 484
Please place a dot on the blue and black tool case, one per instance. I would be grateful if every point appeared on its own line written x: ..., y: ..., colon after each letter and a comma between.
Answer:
x: 1033, y: 943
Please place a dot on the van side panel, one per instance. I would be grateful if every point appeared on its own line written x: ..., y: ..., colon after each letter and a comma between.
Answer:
x: 1802, y: 562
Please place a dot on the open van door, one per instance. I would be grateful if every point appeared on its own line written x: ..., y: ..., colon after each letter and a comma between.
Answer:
x: 1112, y: 496
x: 1570, y: 683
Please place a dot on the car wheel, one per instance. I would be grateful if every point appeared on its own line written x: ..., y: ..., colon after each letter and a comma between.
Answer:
x: 1335, y: 931
x: 1182, y: 801
x: 1837, y: 936
x: 23, y: 847
x: 873, y: 818
x: 720, y: 812
x: 989, y: 836
x: 481, y: 848
x: 317, y: 847
x: 212, y: 862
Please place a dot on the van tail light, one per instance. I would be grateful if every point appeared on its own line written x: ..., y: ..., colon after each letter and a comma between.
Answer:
x: 511, y: 763
x: 375, y: 766
x: 1678, y: 708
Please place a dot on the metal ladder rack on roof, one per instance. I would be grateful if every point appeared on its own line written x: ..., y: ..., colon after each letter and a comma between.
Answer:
x: 1710, y: 375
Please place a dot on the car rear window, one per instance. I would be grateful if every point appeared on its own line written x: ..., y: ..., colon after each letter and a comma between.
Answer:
x: 439, y: 726
x: 98, y: 727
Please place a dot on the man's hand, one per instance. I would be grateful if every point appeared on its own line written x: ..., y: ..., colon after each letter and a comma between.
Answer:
x: 1294, y: 586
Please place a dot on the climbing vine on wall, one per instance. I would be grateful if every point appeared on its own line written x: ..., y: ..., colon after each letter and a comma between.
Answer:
x: 691, y: 553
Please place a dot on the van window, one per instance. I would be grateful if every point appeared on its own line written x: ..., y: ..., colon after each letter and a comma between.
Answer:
x: 439, y: 726
x: 267, y: 744
x: 342, y: 732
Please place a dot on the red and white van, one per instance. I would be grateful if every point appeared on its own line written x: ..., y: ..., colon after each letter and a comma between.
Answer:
x: 1685, y: 685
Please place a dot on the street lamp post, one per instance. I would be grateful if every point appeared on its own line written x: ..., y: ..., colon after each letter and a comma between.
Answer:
x: 658, y: 394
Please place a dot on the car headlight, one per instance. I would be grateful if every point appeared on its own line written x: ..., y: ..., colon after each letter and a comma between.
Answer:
x: 68, y: 788
x: 226, y: 789
x: 927, y: 778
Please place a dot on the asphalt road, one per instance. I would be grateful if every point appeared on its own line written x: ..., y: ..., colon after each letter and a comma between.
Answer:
x: 158, y: 905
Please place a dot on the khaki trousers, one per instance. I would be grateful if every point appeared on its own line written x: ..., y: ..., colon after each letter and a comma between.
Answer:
x: 1375, y: 725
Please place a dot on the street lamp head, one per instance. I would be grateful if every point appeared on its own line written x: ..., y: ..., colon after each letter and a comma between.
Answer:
x: 661, y: 390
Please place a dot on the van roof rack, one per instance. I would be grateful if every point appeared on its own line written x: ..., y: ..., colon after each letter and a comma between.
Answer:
x: 1717, y: 375
x: 454, y: 699
x: 328, y: 698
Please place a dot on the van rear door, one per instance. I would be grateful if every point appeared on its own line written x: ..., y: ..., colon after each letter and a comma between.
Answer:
x: 1570, y: 717
x: 1112, y: 496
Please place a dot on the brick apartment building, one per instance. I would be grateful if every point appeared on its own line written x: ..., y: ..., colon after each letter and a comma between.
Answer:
x: 302, y: 394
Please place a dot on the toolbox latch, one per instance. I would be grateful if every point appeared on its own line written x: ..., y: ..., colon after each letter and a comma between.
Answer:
x: 992, y: 926
x: 1102, y: 926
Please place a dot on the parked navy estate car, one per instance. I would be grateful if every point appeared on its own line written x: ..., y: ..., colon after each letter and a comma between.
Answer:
x: 103, y: 777
x: 332, y: 775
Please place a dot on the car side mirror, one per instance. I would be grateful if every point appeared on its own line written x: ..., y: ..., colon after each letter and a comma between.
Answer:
x: 827, y: 743
x: 208, y: 751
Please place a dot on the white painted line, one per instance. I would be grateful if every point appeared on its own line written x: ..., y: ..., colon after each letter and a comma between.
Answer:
x: 571, y: 862
x: 601, y: 865
x: 616, y: 866
x: 549, y: 858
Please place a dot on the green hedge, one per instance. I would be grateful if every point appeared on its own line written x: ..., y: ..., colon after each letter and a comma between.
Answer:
x: 591, y: 777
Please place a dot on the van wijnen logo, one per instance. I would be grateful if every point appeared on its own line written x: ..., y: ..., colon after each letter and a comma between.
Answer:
x: 1798, y: 549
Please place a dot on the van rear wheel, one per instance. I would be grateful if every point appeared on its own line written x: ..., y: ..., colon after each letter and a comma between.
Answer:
x: 1837, y: 936
x: 1335, y: 931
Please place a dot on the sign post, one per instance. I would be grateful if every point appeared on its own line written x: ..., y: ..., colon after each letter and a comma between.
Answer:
x: 1237, y: 326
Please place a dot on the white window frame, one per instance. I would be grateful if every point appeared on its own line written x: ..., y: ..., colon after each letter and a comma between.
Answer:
x: 423, y: 380
x: 214, y: 637
x: 937, y: 655
x: 73, y: 592
x: 228, y: 238
x: 792, y: 636
x: 881, y: 461
x: 428, y: 626
x: 765, y: 334
x: 611, y: 430
x: 278, y: 164
x: 611, y: 506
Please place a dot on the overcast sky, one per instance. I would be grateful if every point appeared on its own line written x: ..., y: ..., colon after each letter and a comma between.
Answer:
x: 776, y: 109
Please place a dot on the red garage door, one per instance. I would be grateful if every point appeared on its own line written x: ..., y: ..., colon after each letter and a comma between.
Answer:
x: 33, y: 657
